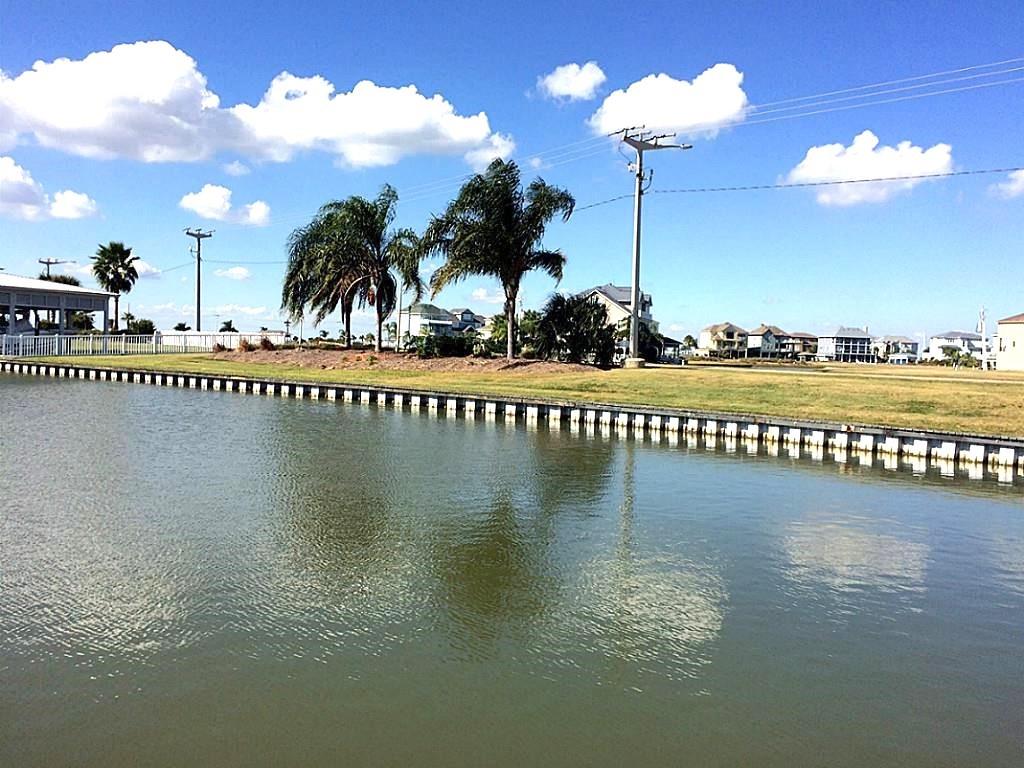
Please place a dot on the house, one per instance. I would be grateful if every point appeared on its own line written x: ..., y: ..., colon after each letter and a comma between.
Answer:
x: 766, y: 341
x: 1010, y: 344
x: 618, y: 301
x: 895, y: 350
x: 964, y: 342
x: 427, y: 320
x: 671, y: 349
x: 466, y: 319
x: 723, y: 340
x: 800, y: 345
x: 31, y: 297
x: 846, y: 345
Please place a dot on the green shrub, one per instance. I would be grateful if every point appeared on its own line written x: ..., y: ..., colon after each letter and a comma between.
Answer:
x: 443, y: 346
x: 267, y: 344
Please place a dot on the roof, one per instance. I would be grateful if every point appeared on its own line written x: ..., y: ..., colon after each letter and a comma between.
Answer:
x: 460, y: 310
x: 724, y: 327
x: 1013, y: 319
x: 669, y: 341
x: 17, y: 282
x: 427, y: 309
x: 896, y: 339
x: 803, y: 335
x: 762, y: 329
x: 620, y: 294
x: 958, y: 335
x: 842, y: 332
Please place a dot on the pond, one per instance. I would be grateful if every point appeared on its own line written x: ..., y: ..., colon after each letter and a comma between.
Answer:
x: 208, y: 578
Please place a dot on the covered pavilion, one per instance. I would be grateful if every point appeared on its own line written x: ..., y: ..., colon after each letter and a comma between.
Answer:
x: 24, y: 294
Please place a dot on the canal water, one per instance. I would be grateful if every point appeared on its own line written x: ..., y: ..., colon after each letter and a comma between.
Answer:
x: 205, y: 578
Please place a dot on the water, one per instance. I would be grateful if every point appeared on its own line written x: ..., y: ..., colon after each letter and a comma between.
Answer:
x: 216, y: 579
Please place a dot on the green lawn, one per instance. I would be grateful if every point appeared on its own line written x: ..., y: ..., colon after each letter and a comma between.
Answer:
x: 926, y: 398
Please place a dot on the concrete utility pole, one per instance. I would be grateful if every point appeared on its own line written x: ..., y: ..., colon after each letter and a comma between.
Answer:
x: 199, y: 235
x: 641, y: 141
x: 51, y: 262
x: 984, y: 340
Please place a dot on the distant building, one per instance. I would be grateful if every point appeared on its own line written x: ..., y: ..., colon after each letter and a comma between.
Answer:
x: 965, y: 342
x: 1010, y: 344
x: 723, y: 340
x: 431, y: 320
x: 895, y: 350
x: 766, y: 341
x: 800, y: 345
x: 846, y: 345
x: 618, y: 301
x: 466, y: 319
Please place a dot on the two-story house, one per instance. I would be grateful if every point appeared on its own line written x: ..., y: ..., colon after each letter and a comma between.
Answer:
x: 766, y: 341
x: 895, y: 350
x: 964, y: 342
x: 846, y: 345
x: 617, y: 301
x: 1010, y: 343
x: 722, y: 340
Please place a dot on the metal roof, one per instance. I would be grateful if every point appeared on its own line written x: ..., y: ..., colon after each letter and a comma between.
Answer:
x: 19, y: 283
x: 1013, y: 319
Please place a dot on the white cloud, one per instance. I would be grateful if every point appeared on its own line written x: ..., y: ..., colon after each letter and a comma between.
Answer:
x: 1012, y: 187
x: 242, y: 309
x: 865, y: 159
x: 676, y: 327
x: 72, y: 205
x: 22, y: 197
x: 256, y: 214
x: 572, y: 81
x: 713, y: 100
x: 214, y: 202
x: 233, y: 273
x: 146, y: 270
x: 497, y: 146
x: 148, y: 101
x: 235, y: 168
x: 488, y: 297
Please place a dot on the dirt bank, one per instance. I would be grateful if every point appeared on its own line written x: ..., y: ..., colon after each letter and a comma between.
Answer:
x: 341, y: 360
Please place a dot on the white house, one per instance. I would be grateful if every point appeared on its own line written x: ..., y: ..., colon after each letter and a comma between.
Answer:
x: 896, y: 350
x: 431, y: 320
x: 618, y: 301
x: 965, y: 342
x: 1010, y: 344
x: 30, y: 297
x: 846, y: 345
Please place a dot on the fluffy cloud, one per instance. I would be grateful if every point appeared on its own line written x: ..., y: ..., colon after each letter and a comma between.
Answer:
x: 865, y: 159
x: 713, y: 100
x: 498, y: 145
x: 214, y: 202
x: 146, y: 270
x: 233, y: 273
x: 488, y: 297
x: 1012, y: 187
x: 235, y: 168
x: 148, y: 101
x: 22, y: 197
x: 572, y: 81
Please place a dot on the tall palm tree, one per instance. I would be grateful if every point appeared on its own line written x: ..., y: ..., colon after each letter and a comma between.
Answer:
x: 495, y: 228
x: 350, y: 244
x: 114, y: 268
x: 228, y: 326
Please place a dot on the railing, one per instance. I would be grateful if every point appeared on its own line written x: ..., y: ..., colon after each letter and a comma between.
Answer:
x: 127, y: 344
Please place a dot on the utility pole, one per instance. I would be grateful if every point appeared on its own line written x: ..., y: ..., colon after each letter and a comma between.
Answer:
x: 199, y: 235
x: 641, y: 141
x: 51, y: 262
x: 984, y: 340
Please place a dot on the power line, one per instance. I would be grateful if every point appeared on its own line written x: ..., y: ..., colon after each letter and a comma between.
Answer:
x: 199, y: 236
x: 799, y: 184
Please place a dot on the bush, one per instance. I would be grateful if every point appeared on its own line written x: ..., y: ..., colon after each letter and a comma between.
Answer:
x: 219, y: 348
x: 443, y: 346
x: 267, y: 344
x: 245, y: 345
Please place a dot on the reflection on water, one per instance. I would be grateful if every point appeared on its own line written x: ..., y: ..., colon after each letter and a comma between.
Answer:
x: 334, y: 583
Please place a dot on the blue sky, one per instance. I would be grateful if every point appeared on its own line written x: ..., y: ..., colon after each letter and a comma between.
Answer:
x: 899, y: 260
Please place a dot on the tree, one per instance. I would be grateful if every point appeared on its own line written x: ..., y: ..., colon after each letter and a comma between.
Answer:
x: 495, y: 229
x: 392, y: 331
x: 182, y: 327
x: 129, y: 321
x: 575, y: 329
x: 228, y: 326
x: 351, y: 244
x: 144, y: 327
x: 369, y: 338
x: 689, y: 342
x: 114, y: 269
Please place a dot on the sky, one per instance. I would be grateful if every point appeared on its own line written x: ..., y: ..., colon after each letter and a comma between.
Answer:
x: 134, y: 121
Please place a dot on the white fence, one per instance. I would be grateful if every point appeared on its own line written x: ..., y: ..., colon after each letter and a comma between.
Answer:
x: 97, y: 344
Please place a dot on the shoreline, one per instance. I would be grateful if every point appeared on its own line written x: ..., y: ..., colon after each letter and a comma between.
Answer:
x: 637, y: 420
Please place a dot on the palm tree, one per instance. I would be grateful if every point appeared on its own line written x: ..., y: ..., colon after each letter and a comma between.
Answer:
x: 183, y: 327
x: 129, y: 321
x: 114, y: 268
x: 350, y: 244
x: 228, y: 326
x: 494, y: 228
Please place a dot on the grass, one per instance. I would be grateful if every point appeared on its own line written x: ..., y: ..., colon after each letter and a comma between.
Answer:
x: 990, y: 403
